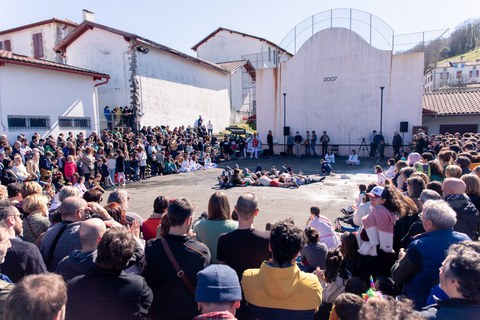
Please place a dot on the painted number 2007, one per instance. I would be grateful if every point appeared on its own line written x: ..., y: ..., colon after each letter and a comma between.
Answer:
x: 329, y: 79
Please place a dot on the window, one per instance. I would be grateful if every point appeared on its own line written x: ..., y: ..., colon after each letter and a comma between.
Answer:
x: 38, y: 45
x: 74, y: 122
x: 455, y: 65
x: 269, y: 54
x: 459, y: 74
x: 7, y: 45
x: 28, y: 122
x: 463, y: 65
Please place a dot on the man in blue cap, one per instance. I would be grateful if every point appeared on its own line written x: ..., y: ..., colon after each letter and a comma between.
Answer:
x: 218, y: 292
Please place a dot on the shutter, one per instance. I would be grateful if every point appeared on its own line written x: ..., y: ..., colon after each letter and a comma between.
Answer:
x: 37, y: 45
x: 7, y: 45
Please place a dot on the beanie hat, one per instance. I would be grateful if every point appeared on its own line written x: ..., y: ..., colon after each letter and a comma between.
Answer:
x: 218, y: 283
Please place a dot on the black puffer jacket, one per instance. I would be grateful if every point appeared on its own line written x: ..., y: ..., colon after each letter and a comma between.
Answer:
x: 468, y: 217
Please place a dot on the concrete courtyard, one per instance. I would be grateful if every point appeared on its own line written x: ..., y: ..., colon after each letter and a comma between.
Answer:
x: 335, y: 192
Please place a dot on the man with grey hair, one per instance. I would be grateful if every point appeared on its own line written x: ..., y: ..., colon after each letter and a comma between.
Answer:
x: 417, y: 267
x: 63, y: 238
x: 23, y: 258
x: 246, y: 247
x: 468, y: 217
x: 121, y: 197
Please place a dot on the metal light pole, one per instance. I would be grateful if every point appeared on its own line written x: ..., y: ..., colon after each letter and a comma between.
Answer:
x: 284, y: 122
x: 381, y: 108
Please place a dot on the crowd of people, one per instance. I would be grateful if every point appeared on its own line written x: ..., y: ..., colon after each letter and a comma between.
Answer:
x: 409, y: 248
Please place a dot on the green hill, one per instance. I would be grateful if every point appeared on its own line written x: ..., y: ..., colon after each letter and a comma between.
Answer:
x: 467, y: 56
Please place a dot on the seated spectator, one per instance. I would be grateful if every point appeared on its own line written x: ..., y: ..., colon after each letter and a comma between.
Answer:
x: 42, y: 296
x: 149, y: 226
x: 353, y: 158
x: 416, y: 267
x: 218, y: 292
x: 314, y: 252
x: 80, y: 262
x: 388, y: 308
x: 279, y: 290
x: 459, y: 276
x: 324, y: 227
x: 468, y: 217
x: 37, y: 222
x: 219, y: 221
x: 108, y: 292
x: 348, y: 306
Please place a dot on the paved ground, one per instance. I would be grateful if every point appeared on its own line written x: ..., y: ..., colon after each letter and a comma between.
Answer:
x: 337, y: 191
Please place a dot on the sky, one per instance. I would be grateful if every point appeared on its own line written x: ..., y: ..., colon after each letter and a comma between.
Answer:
x: 180, y: 24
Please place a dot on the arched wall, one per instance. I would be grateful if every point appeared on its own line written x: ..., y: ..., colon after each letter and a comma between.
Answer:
x: 333, y: 84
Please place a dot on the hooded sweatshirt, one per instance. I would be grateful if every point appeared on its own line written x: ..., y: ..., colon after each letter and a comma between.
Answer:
x: 281, y: 293
x: 76, y: 264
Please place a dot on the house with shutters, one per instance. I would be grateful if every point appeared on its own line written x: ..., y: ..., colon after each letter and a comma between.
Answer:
x: 48, y: 97
x: 37, y: 39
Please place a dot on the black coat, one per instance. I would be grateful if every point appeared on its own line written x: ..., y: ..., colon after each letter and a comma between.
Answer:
x: 104, y: 294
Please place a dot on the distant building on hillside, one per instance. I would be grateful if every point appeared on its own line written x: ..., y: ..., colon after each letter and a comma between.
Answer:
x: 453, y: 75
x: 37, y: 39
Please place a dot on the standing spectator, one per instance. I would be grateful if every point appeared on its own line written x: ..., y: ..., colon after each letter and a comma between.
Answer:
x: 6, y: 285
x: 210, y: 128
x: 397, y: 143
x: 108, y: 117
x: 42, y: 296
x: 468, y: 218
x: 306, y: 142
x: 219, y: 221
x: 142, y: 162
x: 150, y: 225
x: 23, y: 258
x: 324, y: 139
x: 120, y: 167
x: 313, y: 143
x: 279, y: 290
x: 88, y: 163
x: 373, y: 146
x: 80, y: 262
x: 255, y: 145
x: 218, y: 292
x: 298, y: 141
x: 290, y: 143
x: 108, y: 292
x: 417, y: 266
x: 270, y: 142
x: 173, y: 295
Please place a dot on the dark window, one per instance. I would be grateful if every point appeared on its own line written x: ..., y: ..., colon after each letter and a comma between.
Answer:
x: 7, y: 45
x: 28, y: 122
x: 38, y: 45
x: 1, y: 45
x: 74, y: 122
x: 461, y: 128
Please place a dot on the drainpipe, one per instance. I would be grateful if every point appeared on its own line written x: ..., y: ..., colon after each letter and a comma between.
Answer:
x: 97, y: 109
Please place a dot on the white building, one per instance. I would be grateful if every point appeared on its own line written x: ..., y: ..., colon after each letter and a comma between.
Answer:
x: 37, y: 39
x: 46, y: 97
x: 333, y: 84
x: 231, y: 48
x: 453, y: 75
x: 174, y: 88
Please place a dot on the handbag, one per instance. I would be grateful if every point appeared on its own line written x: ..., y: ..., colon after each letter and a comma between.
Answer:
x: 180, y: 273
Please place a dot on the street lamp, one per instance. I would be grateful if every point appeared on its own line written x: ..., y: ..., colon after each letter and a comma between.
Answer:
x: 381, y: 108
x: 284, y: 121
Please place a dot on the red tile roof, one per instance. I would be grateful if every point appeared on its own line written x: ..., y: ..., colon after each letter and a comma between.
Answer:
x: 195, y: 47
x: 452, y: 103
x: 88, y: 25
x: 39, y: 23
x: 9, y: 57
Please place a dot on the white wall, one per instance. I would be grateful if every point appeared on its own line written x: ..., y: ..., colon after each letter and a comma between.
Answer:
x: 52, y: 33
x: 228, y: 46
x: 40, y: 92
x: 433, y: 124
x: 104, y: 52
x: 348, y: 108
x: 166, y: 82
